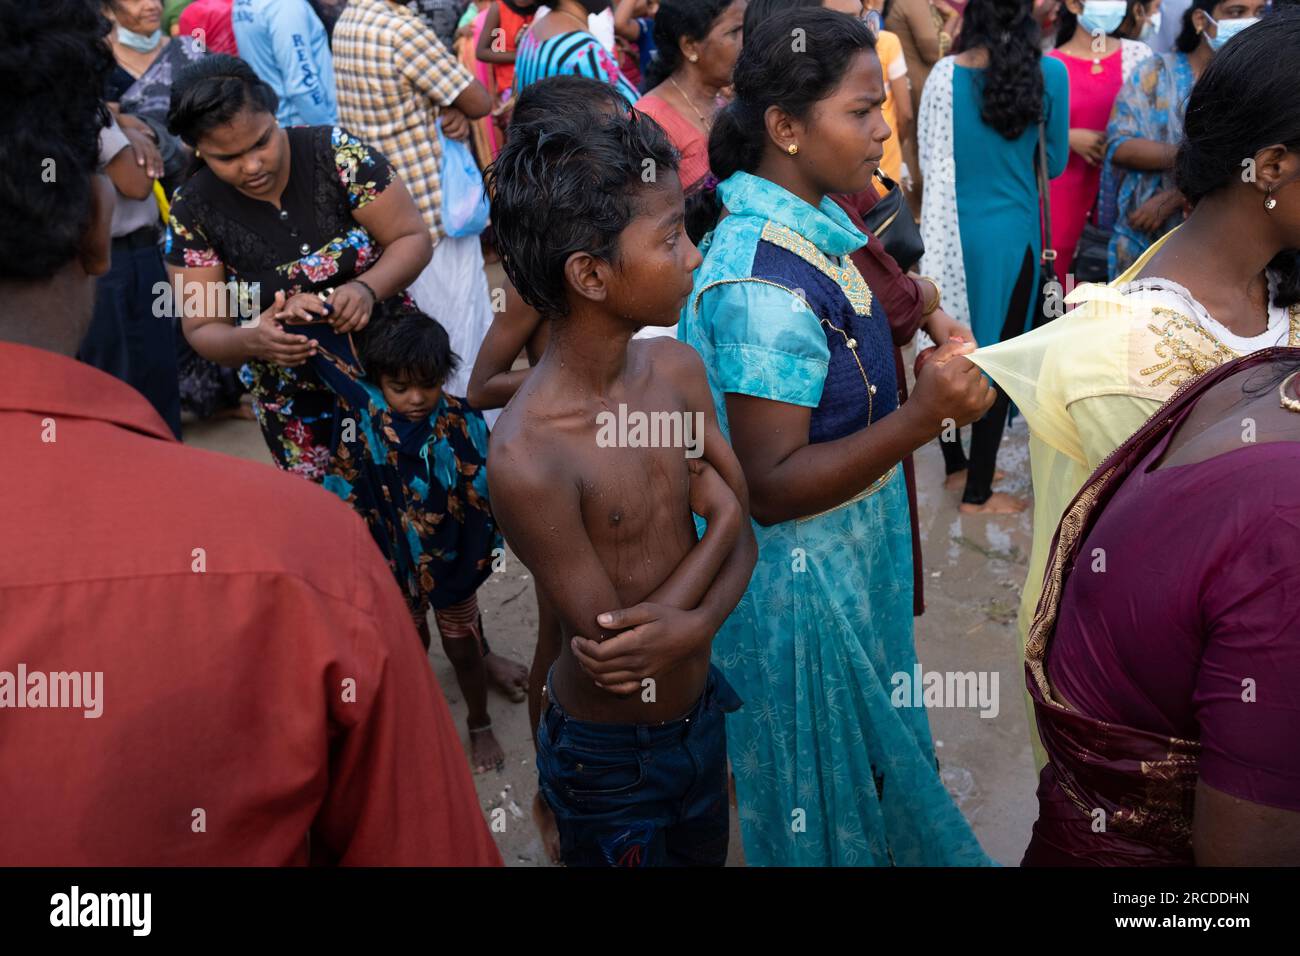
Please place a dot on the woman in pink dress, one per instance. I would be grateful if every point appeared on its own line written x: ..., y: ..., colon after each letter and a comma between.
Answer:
x: 697, y: 44
x: 1098, y: 62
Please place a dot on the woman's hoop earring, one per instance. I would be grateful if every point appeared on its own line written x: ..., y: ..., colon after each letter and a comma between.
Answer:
x: 792, y: 148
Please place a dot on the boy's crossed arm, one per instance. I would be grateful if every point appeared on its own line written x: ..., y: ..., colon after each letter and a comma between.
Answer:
x: 692, y: 603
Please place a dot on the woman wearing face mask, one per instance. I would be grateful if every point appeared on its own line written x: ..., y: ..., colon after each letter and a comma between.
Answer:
x: 1098, y: 62
x: 139, y: 91
x: 1146, y: 125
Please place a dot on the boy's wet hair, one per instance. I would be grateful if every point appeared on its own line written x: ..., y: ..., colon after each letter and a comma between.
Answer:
x: 403, y: 342
x: 567, y: 183
x: 560, y: 95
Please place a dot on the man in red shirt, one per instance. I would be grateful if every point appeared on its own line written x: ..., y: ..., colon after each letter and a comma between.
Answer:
x: 202, y: 660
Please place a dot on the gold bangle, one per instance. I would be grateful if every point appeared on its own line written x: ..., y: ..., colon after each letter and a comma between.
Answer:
x: 938, y: 295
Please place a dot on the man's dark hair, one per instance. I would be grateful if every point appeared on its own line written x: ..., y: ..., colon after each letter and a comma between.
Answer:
x: 211, y: 91
x: 54, y: 63
x: 558, y: 95
x: 401, y: 341
x: 568, y: 183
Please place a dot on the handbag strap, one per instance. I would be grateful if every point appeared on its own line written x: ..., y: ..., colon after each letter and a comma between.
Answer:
x: 1045, y: 194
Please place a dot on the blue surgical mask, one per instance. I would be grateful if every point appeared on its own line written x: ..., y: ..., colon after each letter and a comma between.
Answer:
x: 1102, y: 16
x: 872, y: 19
x: 140, y: 42
x: 1151, y: 27
x: 1225, y: 30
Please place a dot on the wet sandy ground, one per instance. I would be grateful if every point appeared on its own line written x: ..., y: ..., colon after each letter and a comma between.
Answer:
x: 974, y: 568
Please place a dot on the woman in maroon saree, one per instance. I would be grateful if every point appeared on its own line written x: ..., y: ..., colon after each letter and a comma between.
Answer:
x: 1164, y: 660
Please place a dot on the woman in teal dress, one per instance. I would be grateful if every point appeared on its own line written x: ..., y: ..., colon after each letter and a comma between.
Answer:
x: 799, y: 358
x: 978, y: 136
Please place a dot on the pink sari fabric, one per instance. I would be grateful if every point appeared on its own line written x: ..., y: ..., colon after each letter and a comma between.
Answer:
x: 692, y: 144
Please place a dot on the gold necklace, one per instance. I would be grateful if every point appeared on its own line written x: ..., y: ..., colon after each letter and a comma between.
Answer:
x: 574, y: 17
x: 1290, y: 404
x: 707, y: 124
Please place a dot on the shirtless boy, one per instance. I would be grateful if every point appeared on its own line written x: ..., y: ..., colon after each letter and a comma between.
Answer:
x: 631, y: 746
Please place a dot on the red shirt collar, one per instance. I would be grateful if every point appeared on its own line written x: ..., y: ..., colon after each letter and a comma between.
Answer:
x: 42, y: 382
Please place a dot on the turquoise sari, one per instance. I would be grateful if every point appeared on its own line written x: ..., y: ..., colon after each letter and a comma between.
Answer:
x: 828, y: 771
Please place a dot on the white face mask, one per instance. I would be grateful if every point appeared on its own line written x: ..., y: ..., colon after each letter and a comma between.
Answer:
x: 1102, y: 16
x: 140, y: 42
x: 1225, y: 30
x: 1151, y: 27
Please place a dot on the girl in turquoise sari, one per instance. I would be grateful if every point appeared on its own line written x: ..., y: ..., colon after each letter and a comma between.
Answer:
x: 799, y: 358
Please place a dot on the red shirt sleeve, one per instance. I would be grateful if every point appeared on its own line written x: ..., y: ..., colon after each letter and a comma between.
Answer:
x: 898, y: 292
x: 400, y: 792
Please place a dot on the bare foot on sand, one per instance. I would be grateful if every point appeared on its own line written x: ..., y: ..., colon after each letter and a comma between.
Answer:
x: 507, y: 676
x: 484, y: 752
x: 957, y: 480
x: 546, y: 826
x: 999, y: 503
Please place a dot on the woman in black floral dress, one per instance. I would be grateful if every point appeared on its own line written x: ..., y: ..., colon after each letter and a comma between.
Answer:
x: 280, y: 226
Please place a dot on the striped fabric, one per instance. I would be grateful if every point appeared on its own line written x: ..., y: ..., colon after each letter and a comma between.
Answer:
x: 574, y: 54
x: 460, y: 620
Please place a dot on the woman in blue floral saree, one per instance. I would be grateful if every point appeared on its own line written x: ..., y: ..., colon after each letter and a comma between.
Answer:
x: 799, y: 357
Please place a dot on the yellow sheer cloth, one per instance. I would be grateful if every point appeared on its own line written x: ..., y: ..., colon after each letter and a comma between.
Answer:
x: 1085, y: 382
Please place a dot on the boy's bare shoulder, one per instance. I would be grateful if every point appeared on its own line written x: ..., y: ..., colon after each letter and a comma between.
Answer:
x: 669, y: 356
x: 524, y: 457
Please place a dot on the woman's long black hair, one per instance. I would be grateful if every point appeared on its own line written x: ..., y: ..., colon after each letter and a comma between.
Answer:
x: 678, y: 20
x: 1012, y: 91
x: 1248, y: 98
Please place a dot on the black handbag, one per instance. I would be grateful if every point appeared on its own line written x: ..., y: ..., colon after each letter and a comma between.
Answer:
x: 1092, y: 253
x: 1049, y: 287
x: 890, y: 220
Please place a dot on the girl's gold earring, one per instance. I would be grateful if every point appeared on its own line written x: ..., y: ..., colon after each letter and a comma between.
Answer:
x: 792, y: 148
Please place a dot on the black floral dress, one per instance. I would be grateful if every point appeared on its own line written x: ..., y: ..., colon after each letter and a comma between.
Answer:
x: 311, y: 243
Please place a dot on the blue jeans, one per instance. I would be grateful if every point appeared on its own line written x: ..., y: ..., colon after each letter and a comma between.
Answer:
x: 639, y: 794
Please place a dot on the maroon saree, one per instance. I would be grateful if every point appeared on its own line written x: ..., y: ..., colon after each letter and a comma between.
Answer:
x: 1112, y: 795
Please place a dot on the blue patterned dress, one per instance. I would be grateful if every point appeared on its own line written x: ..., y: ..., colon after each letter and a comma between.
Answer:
x: 828, y: 772
x: 420, y: 485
